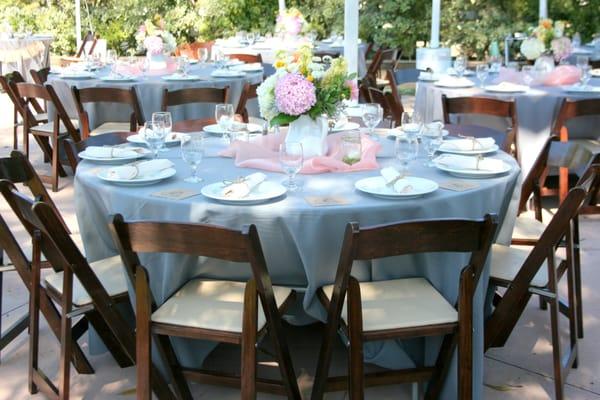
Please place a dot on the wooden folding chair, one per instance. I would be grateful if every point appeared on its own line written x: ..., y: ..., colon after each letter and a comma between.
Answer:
x: 391, y: 109
x: 390, y: 305
x: 93, y: 95
x: 40, y: 76
x: 73, y: 148
x: 248, y: 93
x: 524, y: 273
x: 506, y: 109
x: 174, y: 98
x: 247, y: 58
x: 19, y: 106
x: 93, y: 291
x: 89, y: 37
x: 51, y: 134
x: 196, y: 311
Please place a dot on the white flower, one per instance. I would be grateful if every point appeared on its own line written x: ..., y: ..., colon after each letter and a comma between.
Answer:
x: 532, y: 48
x: 318, y: 74
x: 559, y: 29
x: 266, y: 97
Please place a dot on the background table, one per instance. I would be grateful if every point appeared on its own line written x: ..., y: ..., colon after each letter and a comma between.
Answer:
x: 537, y: 108
x: 301, y: 242
x: 23, y: 54
x: 150, y: 92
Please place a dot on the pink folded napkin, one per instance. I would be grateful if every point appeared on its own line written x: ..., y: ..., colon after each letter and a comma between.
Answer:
x: 263, y: 153
x: 135, y: 70
x: 509, y: 75
x: 563, y: 75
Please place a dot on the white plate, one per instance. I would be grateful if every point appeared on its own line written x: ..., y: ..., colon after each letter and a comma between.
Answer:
x: 348, y: 126
x: 376, y: 186
x: 595, y: 73
x: 117, y: 78
x: 161, y: 175
x: 113, y: 160
x: 489, y: 150
x: 173, y: 139
x: 264, y: 192
x: 217, y: 130
x: 77, y: 75
x: 454, y: 84
x: 467, y: 72
x: 506, y: 89
x: 176, y: 77
x: 253, y: 67
x: 427, y: 77
x: 474, y: 173
x: 581, y: 89
x: 227, y: 73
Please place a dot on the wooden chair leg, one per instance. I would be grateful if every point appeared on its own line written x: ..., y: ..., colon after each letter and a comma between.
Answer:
x: 109, y: 339
x: 1, y: 285
x: 577, y: 276
x: 143, y: 337
x: 556, y: 358
x: 442, y: 365
x: 572, y: 313
x: 55, y: 164
x: 543, y: 304
x: 355, y: 363
x: 64, y: 374
x: 465, y: 335
x: 34, y: 318
x: 248, y: 362
x: 26, y: 141
x: 15, y: 128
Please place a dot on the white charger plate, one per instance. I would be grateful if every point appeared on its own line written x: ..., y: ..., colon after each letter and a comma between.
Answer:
x: 492, y: 149
x: 77, y: 75
x: 348, y: 126
x: 253, y: 67
x: 264, y: 192
x: 217, y: 130
x: 173, y: 139
x: 377, y: 187
x: 175, y: 78
x: 113, y: 160
x: 473, y: 173
x: 504, y: 89
x: 581, y: 89
x: 454, y: 84
x: 227, y: 73
x: 109, y: 78
x: 595, y: 73
x: 149, y: 180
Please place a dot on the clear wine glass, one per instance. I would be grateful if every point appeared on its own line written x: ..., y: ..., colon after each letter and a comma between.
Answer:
x: 163, y: 118
x: 460, y: 65
x: 144, y: 67
x: 372, y: 114
x: 203, y: 55
x: 251, y: 38
x: 527, y: 74
x: 182, y: 66
x: 586, y: 75
x: 432, y: 139
x: 224, y: 115
x: 291, y: 158
x: 111, y: 57
x: 192, y: 152
x: 406, y: 150
x: 154, y: 135
x: 482, y: 72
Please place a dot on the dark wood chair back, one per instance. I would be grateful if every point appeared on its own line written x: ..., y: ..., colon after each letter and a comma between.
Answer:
x: 486, y: 106
x: 40, y: 76
x: 8, y: 83
x: 107, y: 95
x: 247, y: 58
x: 248, y: 92
x: 89, y: 37
x: 172, y: 98
x: 392, y: 109
x: 73, y: 148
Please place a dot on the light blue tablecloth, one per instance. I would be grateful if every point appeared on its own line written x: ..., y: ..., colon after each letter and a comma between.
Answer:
x: 302, y: 242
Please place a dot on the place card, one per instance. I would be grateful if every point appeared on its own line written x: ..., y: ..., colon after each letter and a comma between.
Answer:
x: 458, y: 186
x: 176, y: 194
x: 320, y: 201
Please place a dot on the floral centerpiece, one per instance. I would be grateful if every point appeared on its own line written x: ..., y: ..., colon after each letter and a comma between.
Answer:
x: 290, y: 22
x: 156, y: 41
x: 303, y: 93
x: 547, y: 39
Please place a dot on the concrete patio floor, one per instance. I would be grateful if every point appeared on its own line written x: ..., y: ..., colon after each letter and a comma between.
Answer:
x: 520, y: 370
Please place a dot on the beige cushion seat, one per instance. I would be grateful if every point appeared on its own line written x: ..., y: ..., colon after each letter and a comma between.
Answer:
x: 506, y: 261
x: 48, y: 127
x: 400, y: 303
x: 527, y: 227
x: 110, y: 271
x: 109, y: 127
x: 215, y: 305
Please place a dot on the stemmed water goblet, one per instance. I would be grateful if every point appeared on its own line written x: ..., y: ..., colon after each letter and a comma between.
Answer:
x: 251, y: 38
x: 372, y: 114
x: 203, y: 55
x: 406, y: 149
x: 482, y: 72
x: 154, y: 136
x: 163, y: 119
x: 586, y: 75
x: 460, y: 65
x: 527, y: 74
x: 432, y: 139
x: 291, y: 158
x: 224, y: 115
x: 192, y: 152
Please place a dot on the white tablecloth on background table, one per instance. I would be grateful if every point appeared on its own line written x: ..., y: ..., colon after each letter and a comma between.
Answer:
x: 24, y: 54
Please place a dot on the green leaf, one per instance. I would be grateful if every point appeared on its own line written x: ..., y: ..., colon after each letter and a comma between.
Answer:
x: 283, y: 119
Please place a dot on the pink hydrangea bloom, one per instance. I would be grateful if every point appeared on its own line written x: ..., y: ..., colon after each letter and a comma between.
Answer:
x: 294, y: 94
x: 154, y: 45
x: 561, y: 47
x: 351, y: 83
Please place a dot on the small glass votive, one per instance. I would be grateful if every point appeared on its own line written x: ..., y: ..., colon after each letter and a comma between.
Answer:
x: 351, y: 147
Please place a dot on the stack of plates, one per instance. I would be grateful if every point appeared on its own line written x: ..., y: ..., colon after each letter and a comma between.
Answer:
x: 411, y: 187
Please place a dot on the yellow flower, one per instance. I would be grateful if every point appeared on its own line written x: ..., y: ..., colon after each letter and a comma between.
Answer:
x: 310, y: 78
x: 279, y: 64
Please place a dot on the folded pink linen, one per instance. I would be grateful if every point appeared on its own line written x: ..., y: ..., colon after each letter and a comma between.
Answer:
x: 263, y: 153
x: 563, y: 75
x: 135, y: 70
x: 509, y: 75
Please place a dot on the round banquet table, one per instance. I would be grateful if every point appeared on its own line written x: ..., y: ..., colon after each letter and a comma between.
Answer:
x: 536, y: 110
x: 302, y: 242
x: 150, y: 92
x: 25, y: 53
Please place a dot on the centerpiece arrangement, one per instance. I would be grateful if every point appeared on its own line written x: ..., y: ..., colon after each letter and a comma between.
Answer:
x: 156, y: 41
x: 290, y: 23
x: 304, y: 93
x: 547, y: 44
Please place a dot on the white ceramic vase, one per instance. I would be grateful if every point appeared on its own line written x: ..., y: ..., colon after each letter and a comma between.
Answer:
x: 312, y: 133
x: 157, y: 61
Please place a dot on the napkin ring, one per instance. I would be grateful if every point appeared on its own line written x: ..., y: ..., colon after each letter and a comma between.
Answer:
x: 473, y: 140
x: 239, y: 179
x: 479, y: 159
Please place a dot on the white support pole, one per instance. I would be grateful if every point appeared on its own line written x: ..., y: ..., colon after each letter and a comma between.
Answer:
x: 434, y: 42
x: 78, y: 22
x: 543, y: 9
x: 281, y: 6
x: 351, y: 34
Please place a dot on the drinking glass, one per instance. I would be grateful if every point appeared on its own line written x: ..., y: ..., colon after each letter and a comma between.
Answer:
x: 527, y: 73
x: 182, y: 65
x: 192, y: 152
x: 412, y: 124
x: 154, y: 135
x: 251, y: 38
x: 460, y: 65
x: 203, y: 55
x: 351, y: 147
x: 224, y: 115
x: 482, y: 72
x: 163, y: 119
x: 291, y: 158
x: 406, y: 150
x: 144, y: 67
x: 581, y: 61
x: 432, y: 139
x: 111, y: 57
x: 372, y: 114
x: 586, y: 74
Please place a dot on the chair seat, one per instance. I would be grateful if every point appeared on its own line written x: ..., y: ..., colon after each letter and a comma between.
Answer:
x: 110, y: 271
x: 506, y: 261
x: 214, y: 305
x: 400, y: 303
x: 48, y: 127
x: 527, y: 227
x: 109, y: 127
